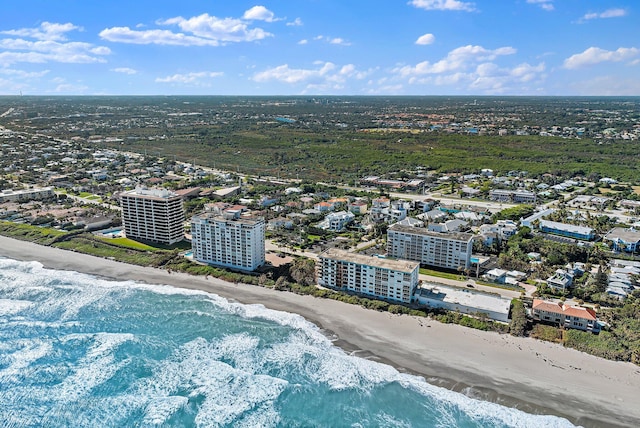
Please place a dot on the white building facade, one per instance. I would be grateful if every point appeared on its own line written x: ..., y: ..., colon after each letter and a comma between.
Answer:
x: 155, y: 215
x: 442, y: 250
x: 236, y: 243
x: 381, y: 278
x: 24, y: 195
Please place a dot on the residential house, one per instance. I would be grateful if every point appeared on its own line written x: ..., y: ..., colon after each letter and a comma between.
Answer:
x: 337, y: 221
x: 565, y: 316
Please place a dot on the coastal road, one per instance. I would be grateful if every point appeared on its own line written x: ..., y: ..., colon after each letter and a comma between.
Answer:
x: 90, y: 201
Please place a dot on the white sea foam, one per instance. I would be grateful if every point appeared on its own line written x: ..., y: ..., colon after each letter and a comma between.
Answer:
x: 19, y: 355
x: 481, y: 411
x: 96, y: 367
x: 228, y: 393
x: 158, y: 410
x: 10, y: 307
x: 233, y: 391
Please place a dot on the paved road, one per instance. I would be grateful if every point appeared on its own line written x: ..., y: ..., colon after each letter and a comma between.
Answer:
x: 91, y: 201
x: 269, y: 245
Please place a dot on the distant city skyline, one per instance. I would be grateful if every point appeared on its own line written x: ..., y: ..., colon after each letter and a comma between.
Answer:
x: 321, y: 47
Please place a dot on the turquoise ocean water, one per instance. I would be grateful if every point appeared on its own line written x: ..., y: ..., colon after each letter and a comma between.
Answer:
x: 81, y: 351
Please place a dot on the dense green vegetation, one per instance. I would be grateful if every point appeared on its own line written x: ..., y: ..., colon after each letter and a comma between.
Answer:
x: 518, y: 324
x: 26, y: 232
x: 347, y: 155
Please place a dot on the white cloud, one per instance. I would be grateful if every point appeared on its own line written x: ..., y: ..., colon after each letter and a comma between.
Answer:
x: 544, y: 4
x: 426, y: 39
x: 201, y: 30
x: 283, y: 73
x: 70, y: 88
x: 303, y: 42
x: 472, y: 69
x: 594, y: 55
x: 20, y: 50
x: 333, y: 40
x: 220, y: 29
x: 125, y: 70
x: 490, y: 77
x: 443, y: 5
x: 46, y: 31
x: 456, y: 60
x: 50, y: 45
x: 609, y: 13
x: 339, y: 41
x: 325, y: 77
x: 295, y: 23
x: 194, y: 78
x: 23, y: 74
x: 259, y: 13
x: 156, y: 37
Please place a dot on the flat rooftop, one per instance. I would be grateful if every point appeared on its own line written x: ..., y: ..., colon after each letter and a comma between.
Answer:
x: 154, y: 193
x: 624, y: 234
x: 458, y: 236
x: 224, y: 219
x: 469, y: 298
x: 361, y: 259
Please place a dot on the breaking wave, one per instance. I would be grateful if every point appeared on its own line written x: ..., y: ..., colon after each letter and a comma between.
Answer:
x: 77, y: 350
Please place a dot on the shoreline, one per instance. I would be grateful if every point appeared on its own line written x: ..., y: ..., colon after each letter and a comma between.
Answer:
x: 533, y: 376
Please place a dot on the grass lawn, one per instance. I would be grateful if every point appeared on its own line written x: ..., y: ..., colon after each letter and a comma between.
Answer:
x: 446, y: 275
x: 129, y: 243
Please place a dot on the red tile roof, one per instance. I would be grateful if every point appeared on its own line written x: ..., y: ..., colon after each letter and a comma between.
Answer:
x: 566, y: 310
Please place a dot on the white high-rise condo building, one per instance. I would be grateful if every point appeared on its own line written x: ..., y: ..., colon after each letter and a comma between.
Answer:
x: 444, y: 250
x: 153, y: 215
x: 381, y: 278
x: 236, y: 243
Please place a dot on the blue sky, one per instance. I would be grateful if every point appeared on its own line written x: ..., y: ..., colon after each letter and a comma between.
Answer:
x: 320, y: 47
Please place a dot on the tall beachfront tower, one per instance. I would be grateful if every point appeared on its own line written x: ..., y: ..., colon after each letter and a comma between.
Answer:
x: 228, y: 241
x: 382, y: 278
x: 443, y: 250
x: 155, y: 215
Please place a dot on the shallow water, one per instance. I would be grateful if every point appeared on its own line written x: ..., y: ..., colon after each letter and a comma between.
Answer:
x: 77, y: 350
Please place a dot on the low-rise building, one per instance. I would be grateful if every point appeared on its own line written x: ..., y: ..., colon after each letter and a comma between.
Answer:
x: 567, y: 230
x: 565, y: 316
x: 471, y: 302
x: 24, y: 195
x: 516, y: 196
x: 381, y: 278
x: 623, y: 239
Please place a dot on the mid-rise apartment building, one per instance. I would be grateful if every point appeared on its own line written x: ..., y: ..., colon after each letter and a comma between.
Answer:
x: 24, y: 195
x: 443, y: 250
x: 155, y: 215
x: 228, y: 241
x: 378, y: 277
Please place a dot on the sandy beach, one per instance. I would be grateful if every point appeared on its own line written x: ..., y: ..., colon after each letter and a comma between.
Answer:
x: 534, y: 376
